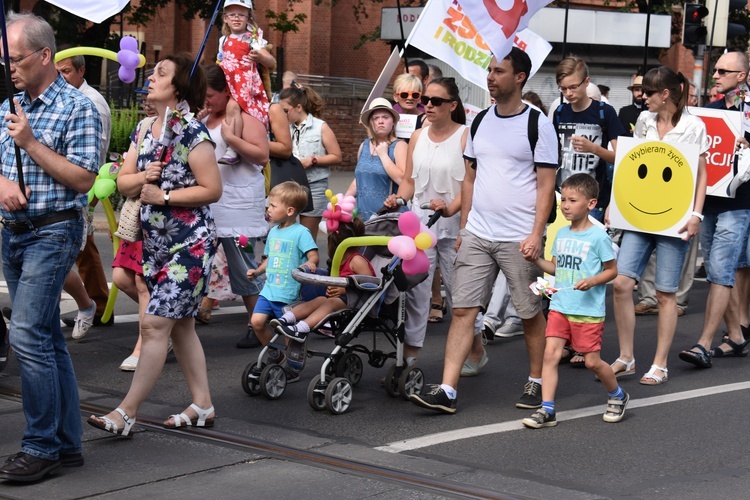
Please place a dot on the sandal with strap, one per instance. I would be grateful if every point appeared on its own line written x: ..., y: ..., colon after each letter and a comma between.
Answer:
x: 651, y: 378
x: 182, y: 420
x: 109, y: 425
x: 436, y: 317
x: 628, y: 370
x: 701, y: 358
x: 736, y: 351
x: 203, y: 316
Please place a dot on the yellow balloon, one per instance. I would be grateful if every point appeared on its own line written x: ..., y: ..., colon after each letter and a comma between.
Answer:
x: 423, y: 241
x: 94, y: 51
x: 329, y: 193
x: 334, y: 200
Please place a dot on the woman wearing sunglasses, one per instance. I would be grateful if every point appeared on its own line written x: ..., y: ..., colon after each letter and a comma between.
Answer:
x: 665, y: 94
x: 434, y: 174
x: 407, y: 89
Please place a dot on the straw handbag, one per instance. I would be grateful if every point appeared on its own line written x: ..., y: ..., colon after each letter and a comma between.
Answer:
x: 129, y: 226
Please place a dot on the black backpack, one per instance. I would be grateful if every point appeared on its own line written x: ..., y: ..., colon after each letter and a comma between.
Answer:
x: 532, y: 130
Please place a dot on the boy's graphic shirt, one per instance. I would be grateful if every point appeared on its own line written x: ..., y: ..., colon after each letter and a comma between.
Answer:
x: 286, y: 250
x: 579, y: 255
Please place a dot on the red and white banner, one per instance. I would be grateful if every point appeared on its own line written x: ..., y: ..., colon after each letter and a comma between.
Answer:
x: 445, y: 31
x: 723, y: 127
x: 95, y: 11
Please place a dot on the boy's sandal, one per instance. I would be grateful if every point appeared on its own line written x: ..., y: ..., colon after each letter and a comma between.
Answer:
x: 577, y: 359
x: 736, y: 350
x: 651, y: 378
x: 698, y: 356
x: 629, y: 368
x: 435, y: 317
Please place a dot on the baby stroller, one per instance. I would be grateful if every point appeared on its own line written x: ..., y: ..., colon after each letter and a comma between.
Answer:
x: 381, y: 310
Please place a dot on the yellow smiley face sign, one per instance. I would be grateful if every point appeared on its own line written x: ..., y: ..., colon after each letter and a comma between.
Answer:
x: 653, y: 185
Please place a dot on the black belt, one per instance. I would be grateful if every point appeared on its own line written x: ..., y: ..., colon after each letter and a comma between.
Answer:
x: 22, y: 226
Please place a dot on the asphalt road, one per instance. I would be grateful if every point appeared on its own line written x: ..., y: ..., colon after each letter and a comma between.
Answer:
x: 684, y: 439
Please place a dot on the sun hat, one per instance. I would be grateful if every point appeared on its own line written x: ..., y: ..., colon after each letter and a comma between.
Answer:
x: 242, y: 3
x: 375, y: 105
x: 637, y: 82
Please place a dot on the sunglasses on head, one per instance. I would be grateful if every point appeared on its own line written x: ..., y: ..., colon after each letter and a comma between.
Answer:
x: 436, y: 101
x: 406, y: 95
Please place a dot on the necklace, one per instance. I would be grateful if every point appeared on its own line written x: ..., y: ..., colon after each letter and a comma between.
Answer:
x: 438, y: 143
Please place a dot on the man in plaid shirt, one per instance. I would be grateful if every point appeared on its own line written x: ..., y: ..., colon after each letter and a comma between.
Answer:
x: 57, y: 130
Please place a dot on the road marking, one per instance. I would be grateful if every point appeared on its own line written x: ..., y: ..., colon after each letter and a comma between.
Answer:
x: 483, y: 430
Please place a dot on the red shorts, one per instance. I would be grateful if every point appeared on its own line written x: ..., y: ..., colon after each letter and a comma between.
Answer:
x: 583, y: 337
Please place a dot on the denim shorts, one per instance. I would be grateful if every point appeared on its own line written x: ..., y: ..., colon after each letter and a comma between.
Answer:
x: 724, y: 244
x: 318, y: 192
x: 636, y: 249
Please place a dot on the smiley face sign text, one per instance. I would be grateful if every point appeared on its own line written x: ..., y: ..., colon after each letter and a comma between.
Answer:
x: 653, y: 186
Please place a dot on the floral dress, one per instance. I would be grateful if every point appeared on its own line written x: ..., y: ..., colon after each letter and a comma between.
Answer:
x: 179, y: 243
x: 242, y: 74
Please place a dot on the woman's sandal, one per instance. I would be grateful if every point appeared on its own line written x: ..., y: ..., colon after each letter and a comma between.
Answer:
x: 651, y: 378
x: 111, y: 426
x: 435, y: 317
x: 736, y: 350
x: 182, y: 420
x: 204, y: 315
x: 628, y: 370
x: 701, y: 358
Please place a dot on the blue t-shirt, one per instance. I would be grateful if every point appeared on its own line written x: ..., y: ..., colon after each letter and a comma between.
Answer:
x: 586, y: 123
x: 580, y: 254
x: 286, y: 249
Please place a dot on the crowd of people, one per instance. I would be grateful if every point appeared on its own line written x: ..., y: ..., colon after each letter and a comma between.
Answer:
x: 199, y: 176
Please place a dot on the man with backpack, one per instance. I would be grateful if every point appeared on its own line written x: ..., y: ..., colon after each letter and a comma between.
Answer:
x: 585, y: 127
x: 506, y: 200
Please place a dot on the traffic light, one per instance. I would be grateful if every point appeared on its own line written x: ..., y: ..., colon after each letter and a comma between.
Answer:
x: 693, y: 31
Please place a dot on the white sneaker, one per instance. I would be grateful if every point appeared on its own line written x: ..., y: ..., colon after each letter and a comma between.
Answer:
x: 129, y: 364
x: 509, y: 329
x: 84, y: 322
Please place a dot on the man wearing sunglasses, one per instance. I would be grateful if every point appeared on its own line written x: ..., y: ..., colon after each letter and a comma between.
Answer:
x: 59, y: 131
x: 506, y: 198
x: 724, y: 235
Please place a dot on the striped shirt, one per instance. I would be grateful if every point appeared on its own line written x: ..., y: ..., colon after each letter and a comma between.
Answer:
x: 67, y: 122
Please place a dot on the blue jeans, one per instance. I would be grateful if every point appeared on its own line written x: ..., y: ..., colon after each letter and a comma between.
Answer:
x: 35, y: 266
x: 636, y: 249
x: 724, y: 244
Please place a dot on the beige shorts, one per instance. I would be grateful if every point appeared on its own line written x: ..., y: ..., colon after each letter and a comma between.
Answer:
x: 477, y: 263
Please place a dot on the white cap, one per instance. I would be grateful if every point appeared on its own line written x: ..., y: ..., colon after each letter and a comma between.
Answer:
x: 242, y: 3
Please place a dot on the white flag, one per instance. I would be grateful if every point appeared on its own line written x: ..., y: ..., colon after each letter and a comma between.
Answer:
x: 444, y: 31
x: 95, y: 11
x: 498, y: 21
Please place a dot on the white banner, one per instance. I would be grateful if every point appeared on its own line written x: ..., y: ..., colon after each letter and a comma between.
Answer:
x: 444, y: 31
x: 95, y: 11
x: 498, y: 24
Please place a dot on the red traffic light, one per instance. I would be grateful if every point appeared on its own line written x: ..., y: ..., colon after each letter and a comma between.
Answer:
x: 694, y: 13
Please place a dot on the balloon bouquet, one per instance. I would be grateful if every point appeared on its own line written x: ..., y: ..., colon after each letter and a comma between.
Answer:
x: 410, y: 247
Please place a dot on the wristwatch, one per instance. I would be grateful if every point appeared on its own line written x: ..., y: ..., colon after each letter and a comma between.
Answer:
x: 314, y: 160
x: 166, y: 198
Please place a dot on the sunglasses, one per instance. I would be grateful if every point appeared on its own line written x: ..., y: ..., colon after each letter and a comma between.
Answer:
x: 649, y: 93
x: 407, y: 95
x: 435, y: 101
x: 722, y: 72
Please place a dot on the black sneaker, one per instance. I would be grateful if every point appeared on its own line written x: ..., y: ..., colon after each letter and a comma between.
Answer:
x: 277, y: 322
x: 292, y: 332
x: 250, y: 340
x: 540, y: 419
x: 531, y: 397
x: 436, y: 400
x: 616, y: 409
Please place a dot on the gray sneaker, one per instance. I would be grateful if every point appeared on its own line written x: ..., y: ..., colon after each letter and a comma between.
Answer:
x: 616, y: 409
x: 540, y: 419
x: 509, y: 329
x: 84, y: 322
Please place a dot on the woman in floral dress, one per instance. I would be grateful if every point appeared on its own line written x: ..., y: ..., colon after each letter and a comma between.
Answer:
x: 179, y: 239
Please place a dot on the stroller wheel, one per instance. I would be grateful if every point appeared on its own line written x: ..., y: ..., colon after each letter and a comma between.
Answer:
x: 273, y: 381
x: 251, y: 379
x: 316, y: 394
x: 410, y: 382
x: 350, y: 367
x: 391, y: 380
x: 339, y: 395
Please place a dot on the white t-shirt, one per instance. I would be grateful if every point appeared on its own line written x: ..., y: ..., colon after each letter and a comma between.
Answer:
x: 504, y: 199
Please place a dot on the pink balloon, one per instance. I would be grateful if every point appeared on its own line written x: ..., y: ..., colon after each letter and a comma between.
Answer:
x: 403, y: 247
x: 408, y: 224
x: 129, y: 43
x: 127, y: 75
x: 419, y: 264
x: 332, y: 225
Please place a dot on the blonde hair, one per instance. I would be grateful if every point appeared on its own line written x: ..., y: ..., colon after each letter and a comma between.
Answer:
x: 290, y: 194
x: 406, y: 81
x: 371, y: 133
x: 570, y: 66
x: 251, y: 24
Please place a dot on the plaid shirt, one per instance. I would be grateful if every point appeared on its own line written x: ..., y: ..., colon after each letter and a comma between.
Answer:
x: 67, y: 122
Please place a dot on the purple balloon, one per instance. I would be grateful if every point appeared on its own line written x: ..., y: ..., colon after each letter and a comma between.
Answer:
x: 128, y: 59
x: 127, y: 75
x: 129, y: 43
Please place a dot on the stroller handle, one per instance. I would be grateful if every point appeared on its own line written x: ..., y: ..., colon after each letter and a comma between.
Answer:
x: 434, y: 217
x: 400, y: 202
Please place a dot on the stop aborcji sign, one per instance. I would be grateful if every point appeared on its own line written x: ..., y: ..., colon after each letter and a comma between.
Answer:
x: 723, y: 128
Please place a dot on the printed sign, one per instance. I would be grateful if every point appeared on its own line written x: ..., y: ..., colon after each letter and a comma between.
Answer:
x: 723, y: 127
